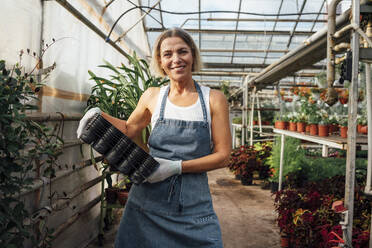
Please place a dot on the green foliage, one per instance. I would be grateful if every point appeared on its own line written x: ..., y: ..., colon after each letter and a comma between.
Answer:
x: 293, y: 155
x: 225, y: 86
x: 24, y: 145
x: 119, y: 95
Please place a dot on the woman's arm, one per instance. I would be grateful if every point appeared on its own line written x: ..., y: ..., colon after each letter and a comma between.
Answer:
x: 140, y: 117
x: 221, y: 137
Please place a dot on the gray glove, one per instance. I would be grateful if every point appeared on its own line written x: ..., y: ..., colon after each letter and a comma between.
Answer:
x: 166, y: 169
x: 83, y: 122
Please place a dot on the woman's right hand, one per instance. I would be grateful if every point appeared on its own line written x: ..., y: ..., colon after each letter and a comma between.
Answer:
x: 83, y: 122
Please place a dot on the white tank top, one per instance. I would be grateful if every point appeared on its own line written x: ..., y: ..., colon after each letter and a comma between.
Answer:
x: 193, y: 112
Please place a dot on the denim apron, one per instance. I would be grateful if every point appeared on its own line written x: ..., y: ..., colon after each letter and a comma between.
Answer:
x: 178, y: 211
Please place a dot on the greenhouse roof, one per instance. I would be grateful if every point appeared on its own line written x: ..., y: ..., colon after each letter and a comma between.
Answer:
x: 241, y: 36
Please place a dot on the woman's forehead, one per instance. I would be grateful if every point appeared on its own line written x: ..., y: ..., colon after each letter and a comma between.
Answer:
x: 171, y: 43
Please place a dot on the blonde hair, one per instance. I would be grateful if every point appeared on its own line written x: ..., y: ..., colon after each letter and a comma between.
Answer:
x: 174, y: 32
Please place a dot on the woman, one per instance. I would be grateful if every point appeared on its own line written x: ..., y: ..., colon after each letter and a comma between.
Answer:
x: 190, y: 136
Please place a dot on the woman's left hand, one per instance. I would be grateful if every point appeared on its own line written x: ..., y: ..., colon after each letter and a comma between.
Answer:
x: 166, y: 169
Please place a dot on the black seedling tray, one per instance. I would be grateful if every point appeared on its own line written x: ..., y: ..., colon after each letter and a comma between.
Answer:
x: 120, y: 151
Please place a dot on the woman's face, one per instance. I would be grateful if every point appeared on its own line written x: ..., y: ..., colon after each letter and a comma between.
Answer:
x: 176, y: 59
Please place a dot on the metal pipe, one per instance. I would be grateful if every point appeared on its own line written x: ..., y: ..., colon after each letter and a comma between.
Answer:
x: 228, y: 31
x: 252, y: 116
x: 58, y: 116
x: 139, y: 20
x: 317, y: 16
x: 341, y: 46
x: 236, y: 29
x: 295, y: 26
x: 351, y: 136
x: 331, y: 42
x: 37, y: 184
x: 250, y: 20
x: 65, y: 201
x: 75, y: 217
x: 89, y: 24
x: 250, y: 66
x: 274, y: 26
x: 331, y: 96
x: 368, y: 189
x: 281, y: 162
x: 291, y: 58
x: 243, y: 50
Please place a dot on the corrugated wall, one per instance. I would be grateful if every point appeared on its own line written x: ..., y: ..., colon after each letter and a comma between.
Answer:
x: 23, y: 24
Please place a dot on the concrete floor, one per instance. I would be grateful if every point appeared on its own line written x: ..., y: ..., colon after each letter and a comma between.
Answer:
x: 246, y: 213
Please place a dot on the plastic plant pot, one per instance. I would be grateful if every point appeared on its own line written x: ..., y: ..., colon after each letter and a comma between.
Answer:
x: 116, y: 154
x: 107, y: 141
x: 94, y: 129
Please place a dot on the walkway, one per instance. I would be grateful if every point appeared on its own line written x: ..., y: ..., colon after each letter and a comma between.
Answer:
x: 246, y: 213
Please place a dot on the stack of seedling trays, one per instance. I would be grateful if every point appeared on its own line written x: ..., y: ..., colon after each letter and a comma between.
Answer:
x: 121, y: 153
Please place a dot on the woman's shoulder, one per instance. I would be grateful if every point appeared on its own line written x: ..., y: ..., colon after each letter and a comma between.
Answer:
x: 152, y: 92
x: 217, y: 99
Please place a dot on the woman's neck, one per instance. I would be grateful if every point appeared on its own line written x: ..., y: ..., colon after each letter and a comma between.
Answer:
x: 183, y: 87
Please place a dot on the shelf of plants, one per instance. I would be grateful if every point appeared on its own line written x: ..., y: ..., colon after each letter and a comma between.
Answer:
x: 331, y: 141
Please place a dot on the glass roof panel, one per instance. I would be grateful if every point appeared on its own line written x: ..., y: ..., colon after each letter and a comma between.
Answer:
x: 243, y: 46
x: 248, y: 60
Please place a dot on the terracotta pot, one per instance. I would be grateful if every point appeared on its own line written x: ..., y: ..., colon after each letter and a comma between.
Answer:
x: 313, y: 129
x: 343, y: 132
x: 280, y: 125
x: 343, y: 100
x: 307, y: 129
x: 301, y: 127
x: 359, y: 126
x: 332, y: 129
x: 284, y: 241
x: 293, y: 126
x: 111, y: 195
x: 364, y: 129
x: 323, y: 130
x: 122, y: 196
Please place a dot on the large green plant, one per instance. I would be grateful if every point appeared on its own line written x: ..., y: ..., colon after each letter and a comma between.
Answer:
x: 119, y: 95
x: 24, y: 146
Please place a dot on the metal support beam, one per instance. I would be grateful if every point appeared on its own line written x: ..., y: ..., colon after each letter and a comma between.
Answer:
x: 317, y: 16
x: 236, y: 29
x: 351, y: 136
x: 271, y: 37
x: 307, y: 54
x: 281, y: 162
x: 248, y: 66
x: 242, y: 51
x: 89, y: 24
x: 227, y: 31
x: 295, y: 26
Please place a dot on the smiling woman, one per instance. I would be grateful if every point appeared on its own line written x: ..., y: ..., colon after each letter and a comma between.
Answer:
x: 190, y: 136
x: 184, y: 117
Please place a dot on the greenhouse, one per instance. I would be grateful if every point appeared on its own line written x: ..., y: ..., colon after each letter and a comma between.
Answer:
x: 159, y: 123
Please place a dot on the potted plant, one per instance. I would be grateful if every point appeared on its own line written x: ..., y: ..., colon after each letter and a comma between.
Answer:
x: 362, y: 124
x: 323, y: 123
x: 292, y: 122
x: 333, y: 124
x: 281, y: 121
x: 301, y: 122
x: 343, y: 122
x: 313, y: 121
